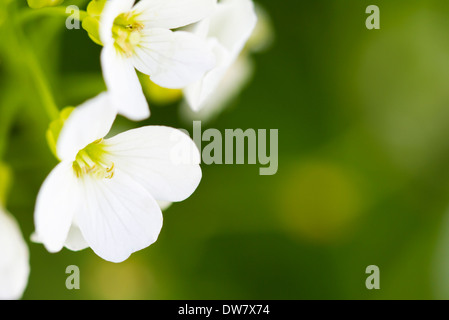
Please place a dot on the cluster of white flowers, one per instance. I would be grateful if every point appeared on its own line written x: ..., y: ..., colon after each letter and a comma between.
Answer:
x: 107, y: 192
x: 199, y: 58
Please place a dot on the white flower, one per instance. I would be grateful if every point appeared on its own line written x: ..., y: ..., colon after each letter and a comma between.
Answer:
x: 14, y: 259
x: 141, y: 37
x: 104, y: 192
x: 227, y: 32
x: 236, y: 78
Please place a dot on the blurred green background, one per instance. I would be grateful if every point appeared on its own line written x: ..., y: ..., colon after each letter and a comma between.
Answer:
x: 363, y: 119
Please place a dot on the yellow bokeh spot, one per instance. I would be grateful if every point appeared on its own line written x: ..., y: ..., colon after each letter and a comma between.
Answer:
x: 130, y: 280
x: 5, y: 182
x: 157, y: 94
x: 319, y: 202
x: 38, y: 4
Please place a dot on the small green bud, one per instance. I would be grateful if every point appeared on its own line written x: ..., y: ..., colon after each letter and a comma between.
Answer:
x: 55, y: 129
x: 37, y: 4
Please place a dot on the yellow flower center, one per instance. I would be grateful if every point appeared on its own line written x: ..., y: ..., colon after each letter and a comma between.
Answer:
x: 92, y: 160
x: 127, y: 33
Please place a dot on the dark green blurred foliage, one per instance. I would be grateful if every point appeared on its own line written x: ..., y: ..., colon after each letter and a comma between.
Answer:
x: 363, y: 119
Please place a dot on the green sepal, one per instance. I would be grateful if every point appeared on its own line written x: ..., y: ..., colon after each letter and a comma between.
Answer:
x: 55, y: 128
x: 95, y: 7
x: 92, y: 26
x: 92, y: 22
x: 38, y: 4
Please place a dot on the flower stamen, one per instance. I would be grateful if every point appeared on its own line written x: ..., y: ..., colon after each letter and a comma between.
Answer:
x: 127, y: 33
x: 92, y: 161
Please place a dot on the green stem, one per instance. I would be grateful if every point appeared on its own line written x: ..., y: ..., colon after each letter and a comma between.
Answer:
x: 37, y: 74
x: 8, y: 111
x: 42, y: 86
x: 30, y: 14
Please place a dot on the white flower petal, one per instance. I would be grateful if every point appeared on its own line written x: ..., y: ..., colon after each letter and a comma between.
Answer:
x: 164, y: 205
x: 172, y: 14
x: 119, y: 217
x: 14, y: 259
x: 163, y: 160
x: 75, y: 240
x: 56, y: 204
x: 232, y: 24
x: 201, y: 29
x: 263, y: 35
x: 198, y: 92
x: 87, y: 123
x: 111, y: 10
x: 172, y: 59
x: 228, y: 30
x: 123, y: 84
x: 237, y: 76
